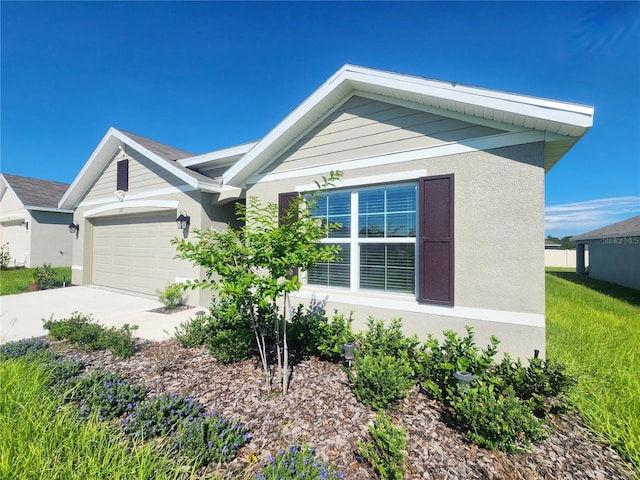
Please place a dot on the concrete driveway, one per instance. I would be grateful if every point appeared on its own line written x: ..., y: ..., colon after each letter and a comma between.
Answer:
x: 21, y: 315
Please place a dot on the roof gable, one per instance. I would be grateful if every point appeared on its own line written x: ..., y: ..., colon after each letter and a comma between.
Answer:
x: 625, y: 228
x: 562, y: 123
x: 35, y: 193
x: 163, y: 155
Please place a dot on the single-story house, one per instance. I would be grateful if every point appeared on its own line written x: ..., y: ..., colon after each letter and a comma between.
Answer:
x: 31, y: 223
x: 441, y: 201
x: 614, y: 253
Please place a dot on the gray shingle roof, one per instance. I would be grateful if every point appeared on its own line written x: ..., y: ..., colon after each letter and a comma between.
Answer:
x: 625, y: 228
x: 165, y: 152
x: 34, y: 192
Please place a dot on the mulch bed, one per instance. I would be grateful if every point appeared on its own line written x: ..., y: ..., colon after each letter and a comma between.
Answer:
x: 322, y: 411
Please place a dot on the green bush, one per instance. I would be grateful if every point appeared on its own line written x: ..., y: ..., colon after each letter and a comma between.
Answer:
x: 194, y: 332
x: 171, y: 297
x: 386, y: 452
x: 161, y: 415
x: 294, y: 463
x: 83, y: 330
x: 5, y: 256
x: 438, y: 362
x: 498, y: 422
x: 381, y: 340
x: 230, y: 346
x: 105, y: 394
x: 536, y: 383
x: 210, y: 438
x: 22, y: 348
x: 44, y: 277
x: 381, y: 380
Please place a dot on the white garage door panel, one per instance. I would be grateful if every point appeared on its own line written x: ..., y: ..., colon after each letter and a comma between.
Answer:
x: 134, y: 253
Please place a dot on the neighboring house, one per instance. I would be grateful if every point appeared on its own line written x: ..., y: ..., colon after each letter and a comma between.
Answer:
x: 36, y: 230
x: 614, y: 253
x: 441, y: 201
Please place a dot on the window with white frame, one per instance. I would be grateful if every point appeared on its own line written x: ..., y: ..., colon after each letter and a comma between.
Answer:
x: 377, y: 239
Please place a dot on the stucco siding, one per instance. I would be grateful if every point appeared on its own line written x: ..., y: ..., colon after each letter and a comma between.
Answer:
x: 362, y: 128
x: 616, y: 260
x: 51, y: 241
x: 498, y: 225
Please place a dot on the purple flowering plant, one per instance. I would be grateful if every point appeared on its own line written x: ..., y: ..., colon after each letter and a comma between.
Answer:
x: 294, y: 463
x: 161, y: 415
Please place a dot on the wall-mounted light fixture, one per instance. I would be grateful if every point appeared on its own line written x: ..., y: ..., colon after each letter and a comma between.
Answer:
x: 25, y: 225
x: 183, y: 221
x: 74, y: 228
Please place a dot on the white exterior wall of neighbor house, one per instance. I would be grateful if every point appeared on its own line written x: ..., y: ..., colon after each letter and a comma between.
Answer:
x: 51, y: 241
x: 615, y: 260
x: 13, y: 232
x: 153, y: 195
x: 499, y: 265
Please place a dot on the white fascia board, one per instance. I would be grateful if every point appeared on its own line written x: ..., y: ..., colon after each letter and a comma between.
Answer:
x: 12, y: 217
x: 536, y: 107
x: 217, y: 156
x: 151, y: 204
x: 47, y: 209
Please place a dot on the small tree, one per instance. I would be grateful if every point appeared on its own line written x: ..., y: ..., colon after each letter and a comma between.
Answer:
x: 5, y: 256
x: 255, y: 265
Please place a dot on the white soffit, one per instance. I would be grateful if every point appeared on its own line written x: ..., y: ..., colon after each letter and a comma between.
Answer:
x: 562, y: 118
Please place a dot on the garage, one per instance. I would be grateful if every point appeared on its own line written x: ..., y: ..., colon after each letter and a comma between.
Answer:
x: 135, y: 252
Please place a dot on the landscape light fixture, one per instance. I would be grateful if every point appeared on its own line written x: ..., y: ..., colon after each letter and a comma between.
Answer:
x: 464, y: 379
x: 349, y: 352
x: 183, y: 221
x: 74, y: 228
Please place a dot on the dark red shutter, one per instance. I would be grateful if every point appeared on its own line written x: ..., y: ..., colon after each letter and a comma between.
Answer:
x: 123, y: 175
x: 435, y: 261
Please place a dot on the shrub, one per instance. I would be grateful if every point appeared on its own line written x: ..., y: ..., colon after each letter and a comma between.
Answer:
x: 294, y: 463
x: 171, y: 297
x: 230, y: 346
x: 386, y: 453
x: 498, y: 422
x: 195, y: 331
x: 161, y: 415
x: 82, y: 329
x: 381, y: 380
x: 106, y: 395
x: 22, y: 348
x: 536, y: 383
x: 381, y: 340
x: 44, y: 276
x: 211, y: 438
x: 438, y: 362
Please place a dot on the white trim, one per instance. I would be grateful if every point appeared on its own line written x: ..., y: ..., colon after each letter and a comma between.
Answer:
x: 216, y: 155
x: 370, y: 180
x: 164, y: 204
x: 76, y: 267
x: 452, y: 148
x: 12, y: 217
x: 47, y: 209
x: 141, y: 195
x: 411, y: 305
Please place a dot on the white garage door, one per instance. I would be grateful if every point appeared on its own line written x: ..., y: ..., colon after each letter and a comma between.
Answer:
x: 134, y: 253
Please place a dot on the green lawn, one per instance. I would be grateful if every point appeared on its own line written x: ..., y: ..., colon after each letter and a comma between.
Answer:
x: 594, y: 328
x: 18, y: 280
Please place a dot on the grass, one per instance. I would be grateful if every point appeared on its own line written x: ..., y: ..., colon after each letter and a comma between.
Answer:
x: 42, y: 438
x: 17, y: 280
x: 594, y: 328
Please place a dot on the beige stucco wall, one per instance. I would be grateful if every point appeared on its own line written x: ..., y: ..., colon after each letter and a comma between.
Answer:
x: 51, y: 241
x: 615, y: 260
x: 499, y: 265
x: 562, y: 258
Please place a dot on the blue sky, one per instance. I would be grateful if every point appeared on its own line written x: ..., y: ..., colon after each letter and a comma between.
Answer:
x: 206, y: 75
